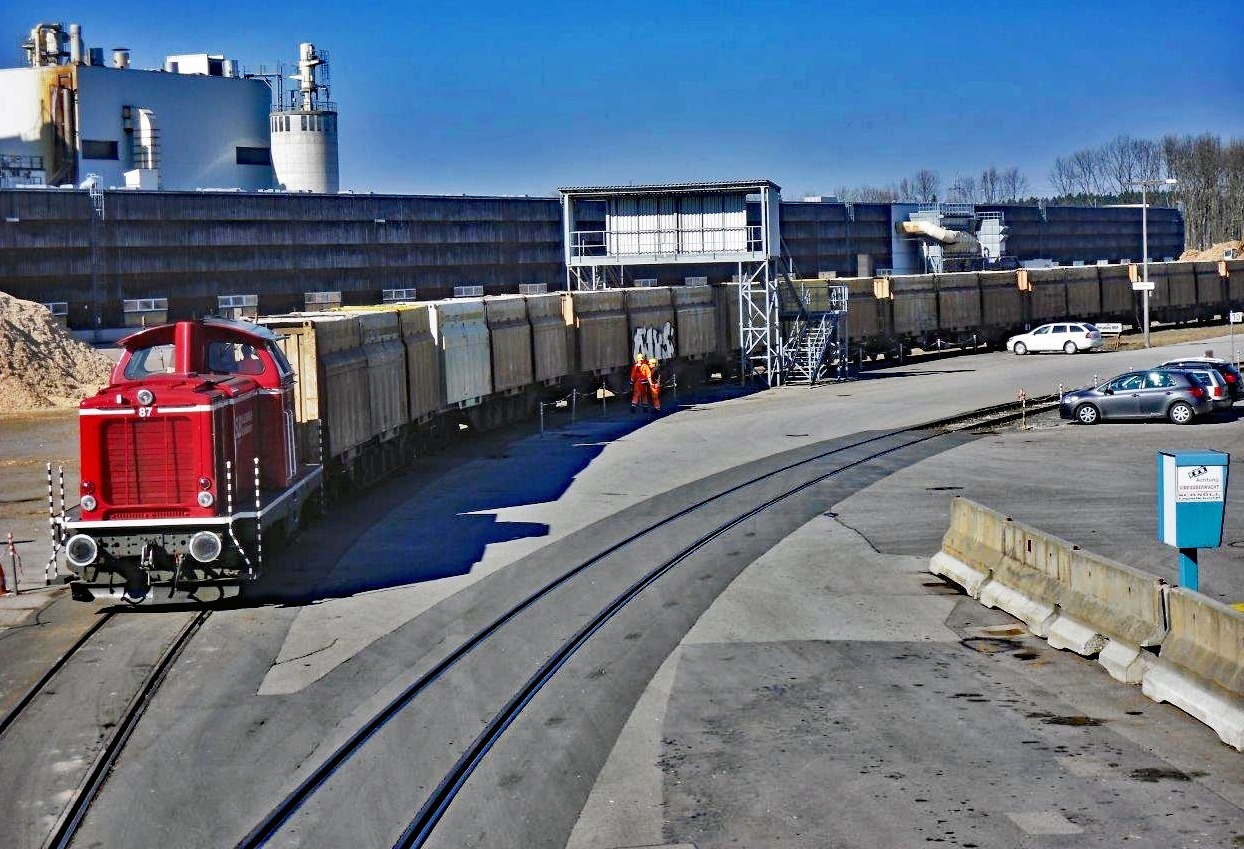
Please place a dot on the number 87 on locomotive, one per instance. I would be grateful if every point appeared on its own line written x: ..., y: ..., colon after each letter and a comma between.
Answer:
x: 189, y: 466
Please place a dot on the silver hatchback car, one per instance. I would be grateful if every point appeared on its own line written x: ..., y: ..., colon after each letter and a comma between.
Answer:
x: 1153, y: 394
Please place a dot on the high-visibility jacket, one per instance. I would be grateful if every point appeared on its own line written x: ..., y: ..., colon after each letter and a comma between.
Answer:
x: 640, y: 372
x: 640, y: 375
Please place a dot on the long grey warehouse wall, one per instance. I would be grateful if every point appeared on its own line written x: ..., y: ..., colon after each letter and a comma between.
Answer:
x: 1067, y: 234
x: 192, y: 246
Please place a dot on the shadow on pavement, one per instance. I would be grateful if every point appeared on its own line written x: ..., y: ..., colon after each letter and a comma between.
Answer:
x: 436, y: 519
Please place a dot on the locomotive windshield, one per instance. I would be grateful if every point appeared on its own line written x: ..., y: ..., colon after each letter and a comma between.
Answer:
x: 278, y: 357
x: 152, y: 360
x: 233, y: 358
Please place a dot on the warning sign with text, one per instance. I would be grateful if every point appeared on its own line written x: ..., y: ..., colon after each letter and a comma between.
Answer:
x: 1200, y: 483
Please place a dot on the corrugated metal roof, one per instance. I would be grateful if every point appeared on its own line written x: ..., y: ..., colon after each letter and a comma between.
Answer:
x: 670, y: 188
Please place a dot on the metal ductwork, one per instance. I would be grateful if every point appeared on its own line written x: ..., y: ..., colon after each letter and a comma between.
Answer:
x: 936, y: 232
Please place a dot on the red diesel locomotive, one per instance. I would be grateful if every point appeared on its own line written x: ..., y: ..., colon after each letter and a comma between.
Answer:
x: 189, y: 464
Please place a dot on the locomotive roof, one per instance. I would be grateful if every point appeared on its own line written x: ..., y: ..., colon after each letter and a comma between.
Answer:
x: 152, y: 335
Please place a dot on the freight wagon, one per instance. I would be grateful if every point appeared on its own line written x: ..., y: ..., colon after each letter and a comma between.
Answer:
x: 215, y: 435
x: 984, y: 308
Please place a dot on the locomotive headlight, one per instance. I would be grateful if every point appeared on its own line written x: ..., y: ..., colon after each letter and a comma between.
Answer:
x: 205, y: 546
x: 205, y: 483
x: 88, y: 503
x: 145, y: 397
x: 205, y: 499
x: 81, y: 550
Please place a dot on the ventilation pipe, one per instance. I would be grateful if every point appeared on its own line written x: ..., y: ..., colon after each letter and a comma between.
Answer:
x: 939, y: 234
x: 121, y: 57
x: 75, y: 44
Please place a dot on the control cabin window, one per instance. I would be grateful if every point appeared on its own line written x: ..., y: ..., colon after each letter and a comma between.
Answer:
x: 145, y: 362
x: 233, y: 358
x: 283, y: 368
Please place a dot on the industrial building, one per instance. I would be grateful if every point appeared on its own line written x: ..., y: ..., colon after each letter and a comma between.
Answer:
x: 194, y: 124
x: 197, y: 123
x: 190, y: 247
x: 196, y: 182
x: 304, y: 129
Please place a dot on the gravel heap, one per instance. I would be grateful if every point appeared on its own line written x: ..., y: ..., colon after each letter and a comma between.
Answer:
x: 41, y: 365
x: 1213, y: 252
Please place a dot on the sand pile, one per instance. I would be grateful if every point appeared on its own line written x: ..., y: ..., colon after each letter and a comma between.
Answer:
x: 1214, y: 252
x: 41, y: 365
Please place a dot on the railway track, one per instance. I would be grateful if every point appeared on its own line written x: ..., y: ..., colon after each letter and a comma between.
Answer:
x: 40, y: 686
x: 420, y: 828
x: 72, y: 814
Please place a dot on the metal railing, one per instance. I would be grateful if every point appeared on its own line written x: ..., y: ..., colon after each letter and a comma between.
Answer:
x: 665, y: 242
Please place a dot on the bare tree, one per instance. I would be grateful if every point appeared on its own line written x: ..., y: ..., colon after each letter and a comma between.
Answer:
x: 926, y: 185
x: 1014, y: 185
x: 868, y: 194
x: 1203, y: 167
x: 989, y: 188
x: 963, y: 189
x: 1062, y: 177
x: 1086, y: 170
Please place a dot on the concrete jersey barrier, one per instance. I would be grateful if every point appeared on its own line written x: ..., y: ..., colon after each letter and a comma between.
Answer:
x: 1077, y: 600
x: 1200, y: 667
x: 1097, y: 606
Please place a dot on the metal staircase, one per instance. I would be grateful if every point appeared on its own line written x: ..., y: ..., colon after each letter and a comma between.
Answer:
x: 816, y: 333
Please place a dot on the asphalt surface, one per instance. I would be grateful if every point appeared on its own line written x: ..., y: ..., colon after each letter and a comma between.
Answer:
x: 683, y: 733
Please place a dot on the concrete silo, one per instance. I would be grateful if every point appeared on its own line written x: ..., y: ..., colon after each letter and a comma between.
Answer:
x: 304, y: 130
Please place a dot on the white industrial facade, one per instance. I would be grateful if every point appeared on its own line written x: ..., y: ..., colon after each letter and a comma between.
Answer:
x: 304, y: 131
x: 199, y: 131
x: 304, y: 151
x: 210, y: 132
x: 194, y: 125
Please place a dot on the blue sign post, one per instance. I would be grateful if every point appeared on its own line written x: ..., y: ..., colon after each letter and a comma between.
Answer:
x: 1192, y: 497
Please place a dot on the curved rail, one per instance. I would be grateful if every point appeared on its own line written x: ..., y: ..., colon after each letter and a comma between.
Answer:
x: 63, y: 832
x: 421, y: 827
x: 40, y: 685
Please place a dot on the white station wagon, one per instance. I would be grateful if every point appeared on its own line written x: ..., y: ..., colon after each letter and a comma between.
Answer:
x: 1070, y: 337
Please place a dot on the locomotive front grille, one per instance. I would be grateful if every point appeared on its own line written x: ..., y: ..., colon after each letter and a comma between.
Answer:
x: 176, y: 513
x: 148, y: 461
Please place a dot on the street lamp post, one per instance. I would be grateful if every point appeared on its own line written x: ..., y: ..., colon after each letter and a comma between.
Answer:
x: 1144, y: 238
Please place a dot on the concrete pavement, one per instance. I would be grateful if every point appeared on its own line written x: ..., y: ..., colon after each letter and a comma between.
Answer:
x: 836, y: 696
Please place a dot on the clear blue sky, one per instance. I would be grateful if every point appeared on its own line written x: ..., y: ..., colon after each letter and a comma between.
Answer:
x: 519, y: 98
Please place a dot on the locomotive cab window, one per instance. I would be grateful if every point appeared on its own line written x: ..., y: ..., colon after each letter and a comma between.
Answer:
x: 145, y: 362
x: 283, y: 368
x: 233, y: 358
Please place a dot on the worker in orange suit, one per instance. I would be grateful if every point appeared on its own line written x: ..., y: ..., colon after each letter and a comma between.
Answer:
x: 654, y: 383
x: 639, y: 381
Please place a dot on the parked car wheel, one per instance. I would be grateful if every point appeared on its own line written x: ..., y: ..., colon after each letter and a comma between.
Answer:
x: 1180, y: 413
x: 1087, y: 414
x: 1020, y: 349
x: 1070, y: 348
